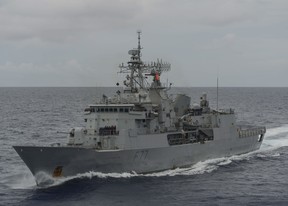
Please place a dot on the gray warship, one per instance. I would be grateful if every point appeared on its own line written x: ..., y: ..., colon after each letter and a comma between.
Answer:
x: 142, y: 129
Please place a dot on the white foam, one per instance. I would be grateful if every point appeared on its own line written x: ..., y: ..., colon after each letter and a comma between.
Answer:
x: 227, y: 162
x: 277, y: 131
x: 275, y: 138
x: 20, y: 181
x: 268, y: 154
x: 276, y: 154
x: 199, y: 168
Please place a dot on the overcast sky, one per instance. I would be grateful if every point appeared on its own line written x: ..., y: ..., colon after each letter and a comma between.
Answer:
x: 82, y: 42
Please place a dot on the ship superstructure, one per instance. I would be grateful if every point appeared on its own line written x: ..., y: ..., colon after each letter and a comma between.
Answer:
x: 142, y: 129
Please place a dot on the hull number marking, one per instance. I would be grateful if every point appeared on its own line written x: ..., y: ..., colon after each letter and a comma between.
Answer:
x: 140, y: 155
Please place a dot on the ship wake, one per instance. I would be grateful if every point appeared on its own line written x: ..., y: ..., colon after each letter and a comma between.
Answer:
x: 275, y: 138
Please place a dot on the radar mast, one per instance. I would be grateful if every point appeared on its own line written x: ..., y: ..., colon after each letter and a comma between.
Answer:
x: 137, y: 70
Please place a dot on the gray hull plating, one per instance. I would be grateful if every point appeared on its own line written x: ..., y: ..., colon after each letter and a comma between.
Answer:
x: 75, y: 160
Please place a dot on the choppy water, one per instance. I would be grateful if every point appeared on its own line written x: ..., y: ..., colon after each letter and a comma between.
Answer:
x: 39, y: 115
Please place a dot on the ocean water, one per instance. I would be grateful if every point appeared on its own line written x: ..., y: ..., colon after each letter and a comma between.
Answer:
x: 41, y: 116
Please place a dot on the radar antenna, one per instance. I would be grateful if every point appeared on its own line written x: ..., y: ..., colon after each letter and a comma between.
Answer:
x: 139, y: 38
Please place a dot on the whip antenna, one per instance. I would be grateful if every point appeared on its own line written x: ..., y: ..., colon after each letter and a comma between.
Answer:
x: 217, y: 92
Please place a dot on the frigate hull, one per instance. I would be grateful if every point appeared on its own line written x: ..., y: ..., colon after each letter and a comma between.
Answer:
x: 144, y: 129
x: 69, y: 161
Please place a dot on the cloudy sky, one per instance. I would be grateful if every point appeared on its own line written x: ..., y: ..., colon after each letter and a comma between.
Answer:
x: 82, y: 42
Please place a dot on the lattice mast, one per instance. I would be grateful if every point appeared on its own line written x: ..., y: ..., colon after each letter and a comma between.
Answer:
x: 137, y: 70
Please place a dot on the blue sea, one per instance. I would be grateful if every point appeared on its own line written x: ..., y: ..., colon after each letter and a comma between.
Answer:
x: 41, y: 116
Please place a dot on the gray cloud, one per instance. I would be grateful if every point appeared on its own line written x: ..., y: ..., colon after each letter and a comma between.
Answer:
x: 60, y: 19
x: 42, y: 41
